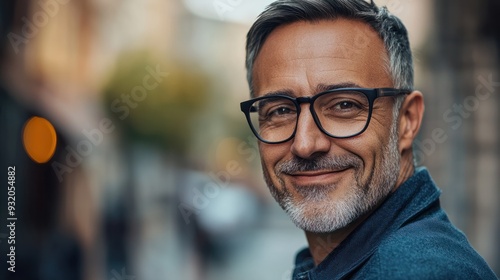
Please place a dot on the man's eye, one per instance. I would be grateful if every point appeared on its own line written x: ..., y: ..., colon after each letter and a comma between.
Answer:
x: 346, y: 105
x: 280, y: 111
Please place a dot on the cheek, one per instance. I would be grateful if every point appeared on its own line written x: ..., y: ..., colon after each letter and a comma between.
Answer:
x: 369, y: 147
x: 271, y: 154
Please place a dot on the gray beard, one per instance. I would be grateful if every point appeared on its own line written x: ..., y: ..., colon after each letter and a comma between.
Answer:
x: 313, y: 213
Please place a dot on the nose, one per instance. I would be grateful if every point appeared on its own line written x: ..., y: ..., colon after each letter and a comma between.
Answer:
x: 309, y: 140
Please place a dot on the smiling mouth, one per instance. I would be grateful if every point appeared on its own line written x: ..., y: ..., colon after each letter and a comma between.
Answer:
x: 317, y: 176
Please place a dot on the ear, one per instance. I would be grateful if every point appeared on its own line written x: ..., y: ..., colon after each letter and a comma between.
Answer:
x: 410, y: 119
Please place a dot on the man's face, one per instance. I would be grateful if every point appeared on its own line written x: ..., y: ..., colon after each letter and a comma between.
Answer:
x: 324, y: 183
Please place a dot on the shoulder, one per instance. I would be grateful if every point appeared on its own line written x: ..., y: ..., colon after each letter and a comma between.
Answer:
x: 429, y: 248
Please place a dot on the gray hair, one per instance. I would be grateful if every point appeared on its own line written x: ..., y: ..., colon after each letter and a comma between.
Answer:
x: 390, y: 29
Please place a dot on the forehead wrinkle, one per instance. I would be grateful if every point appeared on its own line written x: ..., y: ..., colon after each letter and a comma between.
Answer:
x: 323, y: 56
x: 329, y: 70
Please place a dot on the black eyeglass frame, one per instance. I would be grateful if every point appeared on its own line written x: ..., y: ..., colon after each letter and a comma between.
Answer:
x: 370, y: 93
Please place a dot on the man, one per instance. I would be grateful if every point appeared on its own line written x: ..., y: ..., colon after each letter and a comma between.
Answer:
x: 336, y: 114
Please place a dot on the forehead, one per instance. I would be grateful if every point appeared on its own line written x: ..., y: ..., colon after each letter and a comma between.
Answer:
x: 302, y: 55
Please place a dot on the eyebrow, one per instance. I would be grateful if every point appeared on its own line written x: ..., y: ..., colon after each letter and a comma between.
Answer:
x: 286, y: 92
x: 319, y: 88
x: 325, y: 87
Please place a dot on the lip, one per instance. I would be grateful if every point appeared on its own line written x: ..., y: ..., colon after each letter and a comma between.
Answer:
x: 316, y: 177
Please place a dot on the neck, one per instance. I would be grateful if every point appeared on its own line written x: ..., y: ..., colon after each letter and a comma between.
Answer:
x: 321, y: 244
x: 407, y: 168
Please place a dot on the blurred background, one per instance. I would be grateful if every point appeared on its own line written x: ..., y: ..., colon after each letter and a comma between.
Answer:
x: 156, y: 174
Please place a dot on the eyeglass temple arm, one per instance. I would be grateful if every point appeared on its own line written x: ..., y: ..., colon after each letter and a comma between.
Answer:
x: 391, y: 91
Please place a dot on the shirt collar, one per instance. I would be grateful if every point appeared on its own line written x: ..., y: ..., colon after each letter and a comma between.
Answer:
x: 413, y: 196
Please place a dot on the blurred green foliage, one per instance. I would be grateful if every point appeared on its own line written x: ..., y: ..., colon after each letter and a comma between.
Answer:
x: 165, y: 117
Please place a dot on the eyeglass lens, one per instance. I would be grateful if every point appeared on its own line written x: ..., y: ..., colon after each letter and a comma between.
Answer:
x: 340, y: 114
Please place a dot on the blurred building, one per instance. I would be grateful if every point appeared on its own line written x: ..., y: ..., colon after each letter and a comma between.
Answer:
x: 461, y: 78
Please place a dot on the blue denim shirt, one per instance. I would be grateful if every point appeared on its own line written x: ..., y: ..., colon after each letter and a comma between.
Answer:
x: 408, y: 237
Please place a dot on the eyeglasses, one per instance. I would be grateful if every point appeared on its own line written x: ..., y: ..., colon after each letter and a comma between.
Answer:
x: 339, y: 113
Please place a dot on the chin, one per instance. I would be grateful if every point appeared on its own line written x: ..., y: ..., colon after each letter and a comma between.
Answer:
x: 323, y: 216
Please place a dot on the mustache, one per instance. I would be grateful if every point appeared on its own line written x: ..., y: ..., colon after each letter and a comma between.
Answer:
x: 333, y: 163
